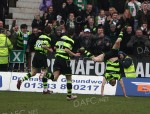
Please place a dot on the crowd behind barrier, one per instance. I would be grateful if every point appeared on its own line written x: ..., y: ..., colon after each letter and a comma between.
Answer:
x: 96, y: 24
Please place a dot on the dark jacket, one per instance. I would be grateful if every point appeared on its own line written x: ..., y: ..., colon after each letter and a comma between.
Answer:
x: 32, y: 41
x: 123, y: 46
x: 4, y: 9
x: 142, y: 18
x: 99, y: 45
x: 127, y: 22
x: 37, y: 24
x: 69, y: 8
x: 139, y: 45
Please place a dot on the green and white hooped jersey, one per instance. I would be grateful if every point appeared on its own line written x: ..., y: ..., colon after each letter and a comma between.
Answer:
x: 112, y: 70
x: 22, y: 39
x: 64, y: 42
x: 42, y: 40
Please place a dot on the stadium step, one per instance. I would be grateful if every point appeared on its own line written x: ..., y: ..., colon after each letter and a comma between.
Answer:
x: 19, y: 21
x: 23, y: 16
x: 23, y: 10
x: 27, y: 4
x: 31, y: 0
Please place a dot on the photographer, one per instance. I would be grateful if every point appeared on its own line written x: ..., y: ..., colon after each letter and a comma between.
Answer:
x: 139, y: 43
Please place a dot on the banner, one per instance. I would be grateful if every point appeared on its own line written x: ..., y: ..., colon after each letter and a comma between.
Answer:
x: 135, y: 87
x: 5, y: 80
x: 89, y: 67
x: 81, y: 84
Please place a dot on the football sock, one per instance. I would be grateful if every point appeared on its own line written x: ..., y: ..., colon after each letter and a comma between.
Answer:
x: 26, y: 77
x: 45, y: 83
x: 69, y: 88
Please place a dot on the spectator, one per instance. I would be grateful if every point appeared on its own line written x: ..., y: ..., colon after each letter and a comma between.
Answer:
x: 22, y: 38
x: 90, y: 25
x: 115, y: 20
x: 113, y: 33
x: 32, y: 39
x: 144, y: 28
x: 134, y: 8
x: 81, y: 4
x: 127, y: 19
x: 57, y: 5
x: 85, y: 39
x: 50, y: 25
x: 5, y: 47
x: 143, y: 15
x: 111, y: 11
x: 71, y: 23
x: 139, y: 43
x: 37, y: 23
x: 5, y: 30
x: 101, y: 43
x: 4, y: 9
x: 51, y: 17
x: 31, y: 43
x: 13, y: 39
x: 86, y: 14
x: 127, y: 34
x: 44, y: 19
x: 44, y: 5
x: 63, y: 27
x: 100, y: 18
x: 14, y: 30
x: 68, y: 8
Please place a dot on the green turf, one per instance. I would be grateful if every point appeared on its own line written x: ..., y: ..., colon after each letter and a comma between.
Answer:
x: 37, y: 103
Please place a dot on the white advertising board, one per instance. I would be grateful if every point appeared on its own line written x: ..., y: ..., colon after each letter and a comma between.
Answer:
x: 81, y: 84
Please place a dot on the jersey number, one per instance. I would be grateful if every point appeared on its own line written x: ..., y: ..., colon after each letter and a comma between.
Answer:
x: 38, y: 44
x: 60, y: 45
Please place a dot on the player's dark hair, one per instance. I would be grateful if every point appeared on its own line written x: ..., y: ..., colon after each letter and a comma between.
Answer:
x: 47, y: 30
x: 71, y: 32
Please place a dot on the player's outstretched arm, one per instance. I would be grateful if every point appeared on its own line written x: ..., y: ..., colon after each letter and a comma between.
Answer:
x: 71, y: 53
x: 123, y: 88
x: 99, y: 58
x: 110, y: 54
x: 102, y: 86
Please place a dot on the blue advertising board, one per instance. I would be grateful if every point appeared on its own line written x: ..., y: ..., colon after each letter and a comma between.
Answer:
x: 0, y: 81
x: 135, y: 87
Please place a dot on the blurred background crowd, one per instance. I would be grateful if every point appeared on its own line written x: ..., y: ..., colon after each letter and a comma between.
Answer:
x: 97, y: 24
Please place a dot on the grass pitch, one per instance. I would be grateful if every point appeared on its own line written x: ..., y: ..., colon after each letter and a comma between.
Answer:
x: 37, y: 103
